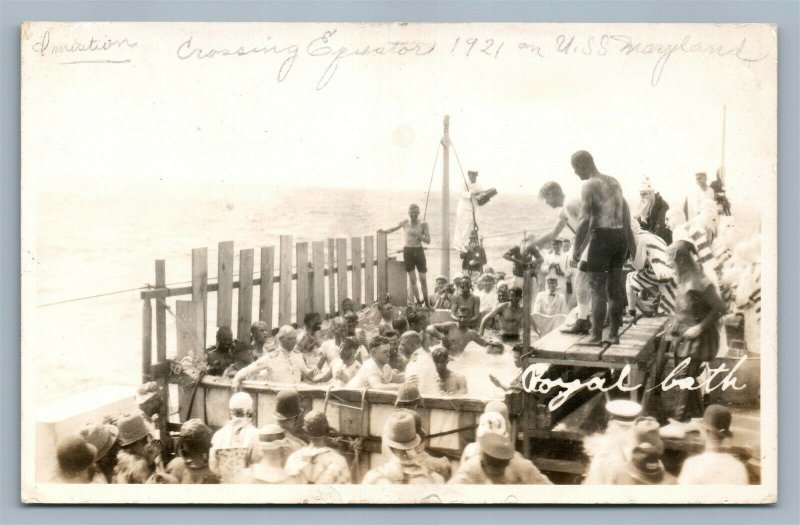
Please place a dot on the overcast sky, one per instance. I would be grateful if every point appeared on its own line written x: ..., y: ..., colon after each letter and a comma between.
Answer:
x: 518, y: 111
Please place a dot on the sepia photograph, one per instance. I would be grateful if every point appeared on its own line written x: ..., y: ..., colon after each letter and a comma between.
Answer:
x: 388, y: 262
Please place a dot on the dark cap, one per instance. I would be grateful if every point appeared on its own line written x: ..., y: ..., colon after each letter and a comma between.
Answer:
x: 101, y: 437
x: 287, y: 405
x: 315, y: 424
x: 717, y: 419
x: 496, y: 446
x: 407, y: 393
x: 195, y: 437
x: 132, y: 428
x: 74, y: 454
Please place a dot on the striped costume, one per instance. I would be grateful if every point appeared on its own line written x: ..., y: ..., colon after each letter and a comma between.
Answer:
x: 697, y: 235
x: 651, y: 271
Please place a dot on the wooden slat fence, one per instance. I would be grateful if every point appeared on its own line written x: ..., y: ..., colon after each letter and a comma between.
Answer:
x: 355, y: 269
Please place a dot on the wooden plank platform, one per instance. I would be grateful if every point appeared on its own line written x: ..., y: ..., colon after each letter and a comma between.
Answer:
x: 636, y: 344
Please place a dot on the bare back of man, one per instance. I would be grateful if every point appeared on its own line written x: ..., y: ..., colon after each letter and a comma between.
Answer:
x: 605, y: 229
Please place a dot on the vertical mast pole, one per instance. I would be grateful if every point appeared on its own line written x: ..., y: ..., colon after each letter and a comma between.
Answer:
x: 446, y: 199
x: 722, y: 155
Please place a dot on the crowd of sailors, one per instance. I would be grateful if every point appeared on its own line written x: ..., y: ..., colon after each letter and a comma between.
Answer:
x: 299, y: 447
x: 692, y: 265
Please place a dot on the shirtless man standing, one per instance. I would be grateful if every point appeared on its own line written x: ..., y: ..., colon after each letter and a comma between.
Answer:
x: 416, y: 233
x: 455, y: 335
x: 605, y: 228
x: 569, y: 216
x: 509, y: 315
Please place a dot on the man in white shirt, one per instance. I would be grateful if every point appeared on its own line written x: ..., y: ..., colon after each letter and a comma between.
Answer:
x: 569, y: 217
x: 420, y: 368
x: 550, y: 302
x: 283, y: 365
x: 487, y: 293
x: 701, y: 192
x: 714, y: 466
x: 376, y: 372
x: 466, y: 211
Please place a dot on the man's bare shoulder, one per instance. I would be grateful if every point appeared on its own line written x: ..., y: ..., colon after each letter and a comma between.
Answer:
x: 610, y: 181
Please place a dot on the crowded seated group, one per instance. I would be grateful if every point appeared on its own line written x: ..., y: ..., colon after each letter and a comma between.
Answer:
x: 298, y: 446
x: 295, y: 447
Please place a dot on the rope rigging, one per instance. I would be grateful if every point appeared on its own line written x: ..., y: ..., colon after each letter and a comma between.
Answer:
x: 430, y: 182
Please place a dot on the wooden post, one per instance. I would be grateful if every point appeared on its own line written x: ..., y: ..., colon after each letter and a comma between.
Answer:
x: 188, y: 324
x: 341, y: 268
x: 527, y: 286
x: 527, y: 406
x: 332, y: 278
x: 369, y: 270
x: 267, y: 286
x: 161, y: 354
x: 382, y: 284
x: 161, y: 313
x: 355, y: 257
x: 285, y: 285
x: 200, y: 284
x: 147, y: 340
x: 303, y: 288
x: 245, y: 310
x: 446, y: 198
x: 225, y: 284
x: 318, y: 285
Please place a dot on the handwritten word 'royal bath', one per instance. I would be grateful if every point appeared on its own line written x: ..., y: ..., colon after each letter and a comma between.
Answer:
x: 534, y: 382
x: 43, y: 45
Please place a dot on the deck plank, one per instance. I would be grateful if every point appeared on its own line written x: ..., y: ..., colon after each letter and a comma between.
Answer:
x: 636, y: 343
x: 554, y: 345
x: 581, y: 352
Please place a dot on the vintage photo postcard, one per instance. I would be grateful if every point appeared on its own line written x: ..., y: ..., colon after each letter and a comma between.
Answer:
x: 399, y: 263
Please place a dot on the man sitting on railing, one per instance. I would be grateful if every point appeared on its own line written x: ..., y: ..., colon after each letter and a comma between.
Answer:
x: 283, y: 365
x: 220, y: 356
x: 466, y: 299
x: 508, y: 315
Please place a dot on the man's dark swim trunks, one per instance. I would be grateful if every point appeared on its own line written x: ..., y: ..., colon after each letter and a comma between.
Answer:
x: 607, y: 250
x: 414, y: 258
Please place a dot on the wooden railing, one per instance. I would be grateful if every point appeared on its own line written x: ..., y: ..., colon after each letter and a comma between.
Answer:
x: 357, y: 280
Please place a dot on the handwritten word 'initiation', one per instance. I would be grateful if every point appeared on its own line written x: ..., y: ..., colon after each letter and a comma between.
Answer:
x: 319, y: 47
x: 533, y: 382
x: 43, y: 46
x: 187, y: 50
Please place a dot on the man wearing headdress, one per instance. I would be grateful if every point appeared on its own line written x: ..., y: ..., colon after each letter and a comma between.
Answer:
x: 652, y: 214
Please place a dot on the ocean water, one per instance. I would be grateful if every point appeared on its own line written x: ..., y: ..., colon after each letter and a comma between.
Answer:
x: 104, y: 237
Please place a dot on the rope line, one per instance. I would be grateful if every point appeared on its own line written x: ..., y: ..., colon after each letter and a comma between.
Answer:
x: 430, y: 182
x: 145, y: 287
x: 148, y: 286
